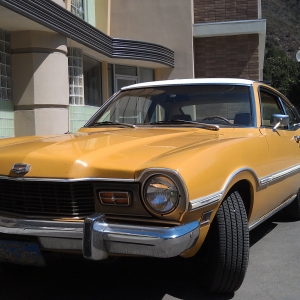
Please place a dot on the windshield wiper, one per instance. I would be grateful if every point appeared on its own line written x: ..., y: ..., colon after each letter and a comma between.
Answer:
x: 206, y: 126
x: 112, y: 123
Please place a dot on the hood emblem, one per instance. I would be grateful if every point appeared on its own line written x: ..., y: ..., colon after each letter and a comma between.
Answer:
x: 20, y: 168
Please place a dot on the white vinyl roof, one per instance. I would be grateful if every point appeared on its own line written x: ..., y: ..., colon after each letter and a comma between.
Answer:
x: 190, y: 81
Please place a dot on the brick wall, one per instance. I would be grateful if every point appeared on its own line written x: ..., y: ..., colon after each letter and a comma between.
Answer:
x: 227, y: 56
x: 206, y: 11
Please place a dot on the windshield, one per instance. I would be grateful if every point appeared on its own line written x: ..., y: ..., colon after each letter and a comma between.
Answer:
x: 210, y: 104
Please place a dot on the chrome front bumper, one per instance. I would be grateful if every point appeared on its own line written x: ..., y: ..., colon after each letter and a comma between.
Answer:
x: 97, y: 238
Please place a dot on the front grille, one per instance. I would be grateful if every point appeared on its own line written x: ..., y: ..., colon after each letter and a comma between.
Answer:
x: 47, y: 199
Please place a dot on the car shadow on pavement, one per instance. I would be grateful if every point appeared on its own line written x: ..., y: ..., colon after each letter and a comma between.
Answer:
x: 267, y: 226
x: 127, y: 278
x: 262, y: 230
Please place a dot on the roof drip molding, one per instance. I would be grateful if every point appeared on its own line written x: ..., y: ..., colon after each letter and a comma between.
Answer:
x: 53, y: 16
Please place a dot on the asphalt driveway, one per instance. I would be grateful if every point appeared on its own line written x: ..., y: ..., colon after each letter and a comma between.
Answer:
x: 273, y: 273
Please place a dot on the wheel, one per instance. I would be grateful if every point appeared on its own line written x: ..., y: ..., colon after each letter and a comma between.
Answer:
x: 222, y: 261
x: 292, y: 211
x: 216, y: 117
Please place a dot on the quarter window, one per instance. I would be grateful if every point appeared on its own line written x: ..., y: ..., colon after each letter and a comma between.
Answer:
x: 292, y: 117
x: 270, y: 105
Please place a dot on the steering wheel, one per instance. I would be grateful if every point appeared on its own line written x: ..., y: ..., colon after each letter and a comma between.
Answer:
x: 210, y: 118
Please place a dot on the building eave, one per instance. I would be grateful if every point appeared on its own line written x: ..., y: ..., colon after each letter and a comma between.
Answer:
x: 58, y: 19
x: 229, y: 28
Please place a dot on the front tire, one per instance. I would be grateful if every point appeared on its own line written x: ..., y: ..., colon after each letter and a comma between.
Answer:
x: 223, y: 259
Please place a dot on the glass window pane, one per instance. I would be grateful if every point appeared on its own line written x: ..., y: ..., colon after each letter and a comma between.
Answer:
x: 146, y: 75
x: 77, y: 8
x: 110, y: 75
x: 270, y: 105
x: 214, y: 103
x: 92, y: 81
x: 223, y: 104
x: 121, y: 82
x: 125, y: 70
x: 129, y: 109
x: 292, y: 118
x: 75, y: 76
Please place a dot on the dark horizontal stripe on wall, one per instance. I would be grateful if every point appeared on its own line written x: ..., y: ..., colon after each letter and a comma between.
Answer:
x: 53, y: 16
x: 37, y: 50
x: 39, y: 106
x: 142, y: 50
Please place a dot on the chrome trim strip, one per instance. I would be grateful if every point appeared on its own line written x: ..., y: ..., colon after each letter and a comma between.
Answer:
x: 152, y: 170
x: 66, y: 180
x: 216, y: 197
x: 273, y: 212
x: 190, y: 206
x: 263, y: 181
x: 41, y: 228
x: 278, y: 175
x: 204, y: 201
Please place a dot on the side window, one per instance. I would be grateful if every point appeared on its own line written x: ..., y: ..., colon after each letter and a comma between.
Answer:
x: 270, y: 105
x: 292, y: 117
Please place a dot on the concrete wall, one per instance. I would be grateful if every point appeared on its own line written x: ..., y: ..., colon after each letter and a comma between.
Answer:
x: 165, y: 22
x: 61, y: 2
x: 102, y: 12
x: 40, y: 81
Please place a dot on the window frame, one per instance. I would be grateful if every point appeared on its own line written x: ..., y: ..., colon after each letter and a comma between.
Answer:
x: 84, y: 73
x: 77, y: 9
x: 282, y: 102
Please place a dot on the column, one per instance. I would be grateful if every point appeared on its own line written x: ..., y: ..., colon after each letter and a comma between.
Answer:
x: 40, y: 82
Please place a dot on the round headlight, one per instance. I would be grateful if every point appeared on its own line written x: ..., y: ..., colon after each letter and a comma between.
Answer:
x: 161, y: 194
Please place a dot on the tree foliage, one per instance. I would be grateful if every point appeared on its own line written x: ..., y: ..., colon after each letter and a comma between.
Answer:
x: 284, y: 74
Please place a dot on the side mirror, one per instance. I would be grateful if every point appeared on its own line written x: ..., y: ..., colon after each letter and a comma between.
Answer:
x: 279, y: 120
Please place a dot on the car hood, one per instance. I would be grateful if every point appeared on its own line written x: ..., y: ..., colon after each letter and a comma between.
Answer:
x: 115, y: 153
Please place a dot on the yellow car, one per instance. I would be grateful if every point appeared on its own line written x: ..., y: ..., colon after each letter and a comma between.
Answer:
x: 166, y: 168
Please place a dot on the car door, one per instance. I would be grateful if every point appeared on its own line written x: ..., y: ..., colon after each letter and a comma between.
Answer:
x: 282, y: 173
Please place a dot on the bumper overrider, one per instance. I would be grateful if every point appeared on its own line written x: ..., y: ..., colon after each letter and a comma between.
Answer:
x: 97, y: 238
